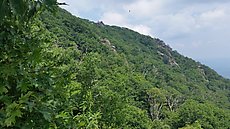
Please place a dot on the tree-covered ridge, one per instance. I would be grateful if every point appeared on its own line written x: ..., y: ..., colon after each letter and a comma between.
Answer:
x: 60, y: 71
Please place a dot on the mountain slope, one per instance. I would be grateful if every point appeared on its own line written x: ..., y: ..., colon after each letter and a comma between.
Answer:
x: 143, y: 72
x: 60, y: 71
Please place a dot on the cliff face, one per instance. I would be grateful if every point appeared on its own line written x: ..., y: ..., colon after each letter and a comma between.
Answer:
x: 138, y: 74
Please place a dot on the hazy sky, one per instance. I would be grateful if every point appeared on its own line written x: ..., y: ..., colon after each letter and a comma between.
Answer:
x: 199, y: 29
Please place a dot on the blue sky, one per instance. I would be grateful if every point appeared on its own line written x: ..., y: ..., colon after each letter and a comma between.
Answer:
x: 199, y: 29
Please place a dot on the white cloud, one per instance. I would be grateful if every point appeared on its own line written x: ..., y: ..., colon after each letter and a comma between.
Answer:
x: 174, y: 25
x: 114, y: 18
x: 145, y: 8
x: 213, y: 14
x: 142, y: 29
x: 217, y: 17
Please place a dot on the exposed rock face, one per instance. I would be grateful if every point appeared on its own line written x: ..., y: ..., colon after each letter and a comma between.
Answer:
x: 107, y: 43
x: 165, y: 52
x: 201, y: 70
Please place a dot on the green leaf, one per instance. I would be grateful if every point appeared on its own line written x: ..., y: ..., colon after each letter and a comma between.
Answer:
x: 62, y: 115
x: 46, y: 115
x: 16, y: 113
x: 25, y: 98
x: 3, y: 89
x: 23, y: 86
x: 12, y: 111
x: 82, y: 124
x: 8, y: 70
x: 10, y: 121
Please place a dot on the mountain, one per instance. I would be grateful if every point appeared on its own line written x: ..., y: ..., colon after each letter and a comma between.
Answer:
x: 70, y: 72
x: 131, y: 64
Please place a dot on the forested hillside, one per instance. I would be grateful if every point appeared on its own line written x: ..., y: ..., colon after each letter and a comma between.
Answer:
x: 60, y: 71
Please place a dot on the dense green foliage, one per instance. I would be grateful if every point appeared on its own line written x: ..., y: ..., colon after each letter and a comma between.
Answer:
x: 60, y: 71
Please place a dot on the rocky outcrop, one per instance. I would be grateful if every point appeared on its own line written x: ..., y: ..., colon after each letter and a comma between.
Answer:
x: 107, y: 43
